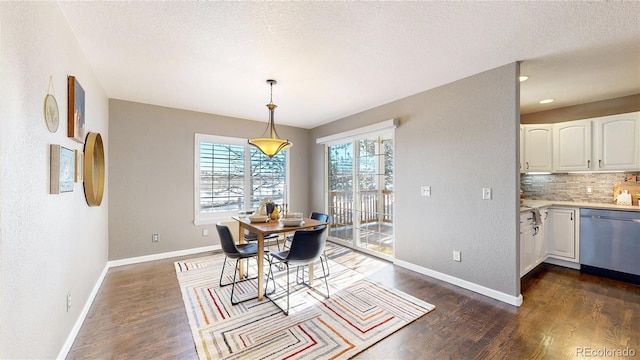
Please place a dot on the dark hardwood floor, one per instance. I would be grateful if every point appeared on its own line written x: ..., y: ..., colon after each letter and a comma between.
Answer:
x: 139, y: 314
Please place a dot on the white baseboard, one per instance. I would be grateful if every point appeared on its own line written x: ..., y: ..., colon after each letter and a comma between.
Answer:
x: 506, y: 298
x: 115, y: 263
x: 560, y: 262
x: 83, y: 314
x: 141, y: 259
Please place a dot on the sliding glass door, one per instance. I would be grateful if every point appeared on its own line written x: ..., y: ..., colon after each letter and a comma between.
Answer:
x: 360, y: 193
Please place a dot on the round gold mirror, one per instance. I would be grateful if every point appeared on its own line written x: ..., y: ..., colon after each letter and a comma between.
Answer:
x: 93, y: 169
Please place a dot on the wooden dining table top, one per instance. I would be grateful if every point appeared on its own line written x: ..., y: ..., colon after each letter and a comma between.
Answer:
x: 274, y: 226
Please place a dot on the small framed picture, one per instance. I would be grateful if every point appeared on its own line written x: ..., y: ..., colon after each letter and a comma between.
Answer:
x: 63, y: 164
x: 79, y: 166
x: 76, y: 126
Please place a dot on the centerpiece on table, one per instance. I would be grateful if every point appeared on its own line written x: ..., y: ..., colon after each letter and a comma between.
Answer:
x: 269, y: 208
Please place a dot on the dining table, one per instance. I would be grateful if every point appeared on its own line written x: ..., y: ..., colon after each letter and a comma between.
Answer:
x: 261, y: 229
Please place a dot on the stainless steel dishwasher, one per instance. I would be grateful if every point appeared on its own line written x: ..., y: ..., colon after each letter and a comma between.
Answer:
x: 610, y: 239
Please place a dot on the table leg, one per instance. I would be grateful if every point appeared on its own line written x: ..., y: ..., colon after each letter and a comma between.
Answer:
x: 241, y: 241
x: 311, y: 274
x: 260, y: 266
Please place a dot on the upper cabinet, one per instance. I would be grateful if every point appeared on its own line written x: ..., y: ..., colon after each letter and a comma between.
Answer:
x: 538, y: 148
x: 617, y: 142
x: 572, y: 146
x: 608, y: 143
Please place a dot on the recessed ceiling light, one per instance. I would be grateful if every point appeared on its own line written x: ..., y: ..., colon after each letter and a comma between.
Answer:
x: 547, y: 101
x: 523, y: 78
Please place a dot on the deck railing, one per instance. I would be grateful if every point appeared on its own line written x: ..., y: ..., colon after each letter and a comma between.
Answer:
x: 375, y: 206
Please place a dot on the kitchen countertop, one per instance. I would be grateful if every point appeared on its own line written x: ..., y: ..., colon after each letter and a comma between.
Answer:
x: 530, y: 204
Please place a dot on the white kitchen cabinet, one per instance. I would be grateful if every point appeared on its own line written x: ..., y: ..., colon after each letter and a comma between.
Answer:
x: 526, y: 243
x: 572, y: 146
x: 532, y: 249
x: 521, y: 148
x: 540, y: 244
x: 617, y: 142
x: 561, y: 234
x: 538, y: 147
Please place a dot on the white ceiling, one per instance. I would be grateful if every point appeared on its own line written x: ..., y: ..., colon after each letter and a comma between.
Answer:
x: 333, y: 59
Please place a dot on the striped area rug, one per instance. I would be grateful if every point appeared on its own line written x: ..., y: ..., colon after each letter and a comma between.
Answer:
x: 358, y: 313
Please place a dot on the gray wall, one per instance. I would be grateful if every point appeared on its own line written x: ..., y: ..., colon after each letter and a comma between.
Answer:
x: 50, y: 245
x: 457, y: 138
x: 151, y: 163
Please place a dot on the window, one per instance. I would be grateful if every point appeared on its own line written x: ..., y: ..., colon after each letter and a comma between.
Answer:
x: 232, y: 176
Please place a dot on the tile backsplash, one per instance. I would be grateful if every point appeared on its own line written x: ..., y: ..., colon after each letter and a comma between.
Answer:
x: 572, y: 187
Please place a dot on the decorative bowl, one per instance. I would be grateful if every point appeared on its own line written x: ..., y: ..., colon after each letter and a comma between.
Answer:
x: 294, y: 215
x: 258, y: 218
x: 291, y: 221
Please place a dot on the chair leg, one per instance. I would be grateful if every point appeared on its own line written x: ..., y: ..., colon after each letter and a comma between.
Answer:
x: 326, y: 260
x: 224, y: 264
x: 233, y: 287
x: 326, y: 275
x: 272, y: 276
x: 287, y: 312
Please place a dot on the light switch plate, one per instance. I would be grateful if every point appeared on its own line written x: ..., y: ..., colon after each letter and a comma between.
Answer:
x: 425, y: 190
x: 456, y: 256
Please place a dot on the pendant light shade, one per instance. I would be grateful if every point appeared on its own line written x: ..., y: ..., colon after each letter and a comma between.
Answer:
x: 270, y: 143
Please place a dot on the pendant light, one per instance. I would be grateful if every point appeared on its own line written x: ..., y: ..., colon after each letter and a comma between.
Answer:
x: 272, y: 144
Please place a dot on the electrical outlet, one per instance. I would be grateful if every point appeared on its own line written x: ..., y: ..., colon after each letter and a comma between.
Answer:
x: 155, y: 238
x: 589, y: 190
x: 68, y: 301
x: 425, y: 190
x: 486, y: 193
x: 205, y: 232
x: 456, y: 256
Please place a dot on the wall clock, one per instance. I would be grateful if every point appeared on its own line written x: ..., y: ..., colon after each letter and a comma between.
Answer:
x: 94, y: 169
x: 51, y: 114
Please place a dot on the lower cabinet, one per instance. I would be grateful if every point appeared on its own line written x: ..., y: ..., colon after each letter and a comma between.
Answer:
x: 532, y: 249
x: 552, y: 238
x: 561, y: 234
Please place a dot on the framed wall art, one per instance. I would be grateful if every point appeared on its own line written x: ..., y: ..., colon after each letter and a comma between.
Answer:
x: 79, y: 163
x: 51, y: 113
x: 75, y: 111
x: 63, y: 166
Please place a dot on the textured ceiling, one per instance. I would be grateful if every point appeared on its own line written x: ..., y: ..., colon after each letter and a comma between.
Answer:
x: 334, y: 59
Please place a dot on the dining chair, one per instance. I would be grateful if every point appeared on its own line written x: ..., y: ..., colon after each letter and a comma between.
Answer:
x: 237, y: 252
x: 253, y: 237
x: 306, y: 247
x: 316, y: 216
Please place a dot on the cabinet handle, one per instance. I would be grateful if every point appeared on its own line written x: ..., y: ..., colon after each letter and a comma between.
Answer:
x: 599, y: 163
x: 571, y: 216
x: 527, y: 165
x: 589, y: 164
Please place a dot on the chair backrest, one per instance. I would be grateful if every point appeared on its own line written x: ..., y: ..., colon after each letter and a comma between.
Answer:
x: 226, y: 240
x: 320, y: 217
x: 307, y: 246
